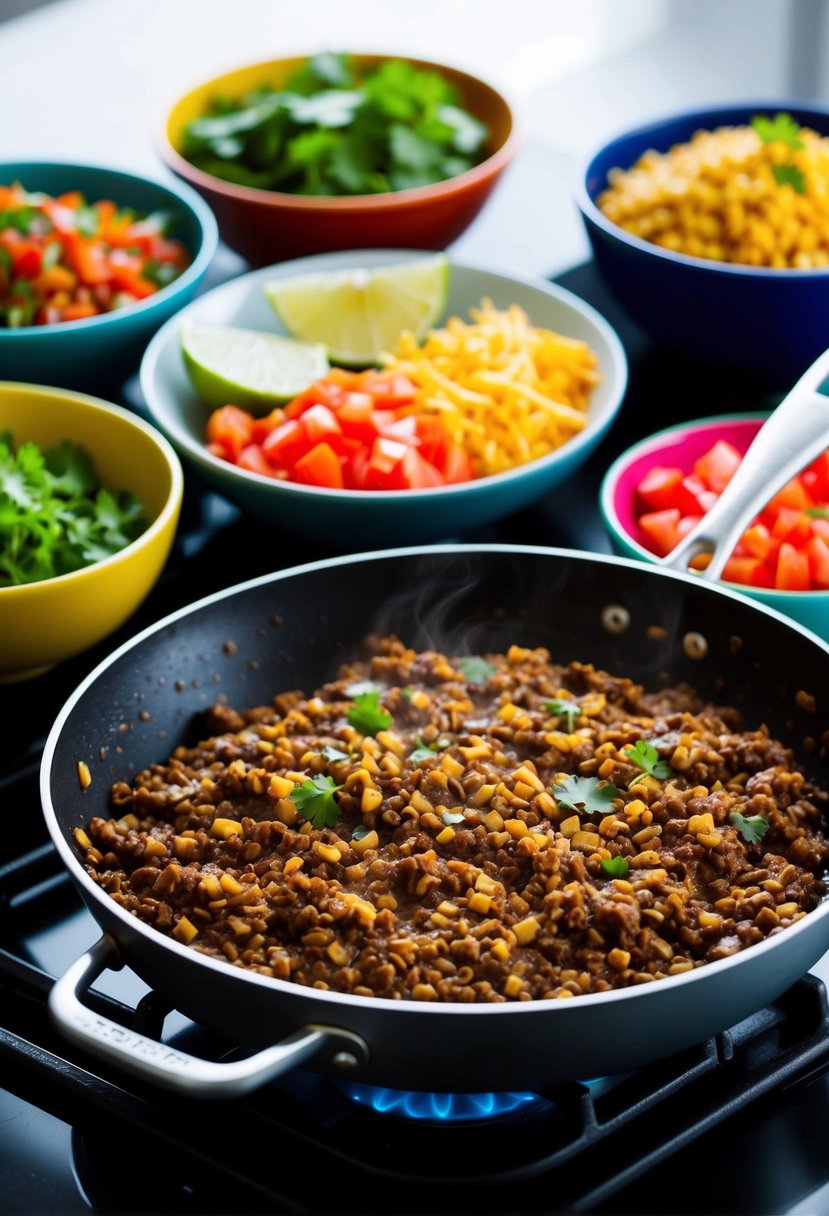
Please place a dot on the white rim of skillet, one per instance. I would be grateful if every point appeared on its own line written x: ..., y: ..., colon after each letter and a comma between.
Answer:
x: 354, y: 258
x: 348, y: 1000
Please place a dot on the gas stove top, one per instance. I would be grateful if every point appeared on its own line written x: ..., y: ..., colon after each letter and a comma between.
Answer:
x: 732, y: 1126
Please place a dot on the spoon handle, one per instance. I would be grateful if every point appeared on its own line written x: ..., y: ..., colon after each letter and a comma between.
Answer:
x: 793, y: 435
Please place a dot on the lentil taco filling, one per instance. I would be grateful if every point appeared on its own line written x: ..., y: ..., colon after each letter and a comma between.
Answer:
x: 471, y: 830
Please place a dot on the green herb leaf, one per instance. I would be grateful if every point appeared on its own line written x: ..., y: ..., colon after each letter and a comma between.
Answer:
x: 586, y: 794
x: 315, y: 801
x: 360, y: 832
x: 54, y: 517
x: 361, y: 686
x: 790, y: 175
x: 423, y: 751
x: 645, y: 756
x: 782, y: 128
x: 332, y: 754
x: 616, y: 867
x: 752, y: 828
x: 569, y: 710
x: 367, y: 715
x: 452, y: 817
x: 817, y: 512
x: 476, y: 670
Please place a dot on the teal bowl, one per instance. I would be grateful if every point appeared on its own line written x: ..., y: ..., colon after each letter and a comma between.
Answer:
x: 352, y: 519
x: 106, y: 349
x: 679, y: 446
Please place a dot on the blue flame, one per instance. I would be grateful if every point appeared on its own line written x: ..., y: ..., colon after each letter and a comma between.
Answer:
x: 437, y: 1108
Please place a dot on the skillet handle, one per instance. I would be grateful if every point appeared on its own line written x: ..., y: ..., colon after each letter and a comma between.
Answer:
x: 174, y: 1070
x: 794, y: 434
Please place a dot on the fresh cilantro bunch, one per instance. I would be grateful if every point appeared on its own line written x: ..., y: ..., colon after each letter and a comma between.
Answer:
x: 54, y: 516
x: 332, y: 131
x: 476, y: 669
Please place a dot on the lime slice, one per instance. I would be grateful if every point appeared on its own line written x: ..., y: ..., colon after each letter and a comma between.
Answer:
x: 359, y: 314
x: 248, y: 368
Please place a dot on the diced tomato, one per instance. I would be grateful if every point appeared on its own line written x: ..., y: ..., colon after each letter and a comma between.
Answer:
x: 820, y: 527
x: 792, y: 525
x: 456, y: 466
x: 230, y: 428
x: 757, y: 541
x: 658, y: 487
x: 320, y: 424
x: 793, y: 495
x: 792, y: 572
x: 285, y: 444
x: 816, y: 478
x: 750, y: 571
x: 661, y: 529
x: 817, y: 555
x: 718, y: 465
x: 358, y: 418
x: 414, y: 473
x: 432, y: 439
x: 263, y: 426
x: 320, y: 467
x: 27, y: 261
x: 253, y: 459
x: 386, y: 454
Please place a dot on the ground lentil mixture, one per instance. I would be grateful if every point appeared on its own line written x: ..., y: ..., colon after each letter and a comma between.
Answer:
x: 459, y: 857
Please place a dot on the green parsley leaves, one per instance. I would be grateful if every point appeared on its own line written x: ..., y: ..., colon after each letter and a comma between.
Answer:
x: 367, y: 714
x: 782, y: 129
x: 644, y: 755
x: 790, y: 175
x: 568, y: 710
x: 54, y: 516
x: 586, y: 794
x: 315, y: 801
x: 752, y: 828
x: 476, y: 670
x: 616, y: 867
x: 335, y: 131
x: 426, y: 751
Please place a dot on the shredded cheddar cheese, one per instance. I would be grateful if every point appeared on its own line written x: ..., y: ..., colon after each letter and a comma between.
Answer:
x: 507, y: 391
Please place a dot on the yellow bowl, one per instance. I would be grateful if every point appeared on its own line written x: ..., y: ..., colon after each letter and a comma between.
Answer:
x: 45, y: 622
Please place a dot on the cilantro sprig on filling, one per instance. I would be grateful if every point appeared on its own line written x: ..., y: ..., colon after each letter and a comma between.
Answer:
x: 54, y: 515
x: 367, y: 714
x: 645, y: 756
x: 782, y: 129
x: 315, y: 801
x: 586, y: 794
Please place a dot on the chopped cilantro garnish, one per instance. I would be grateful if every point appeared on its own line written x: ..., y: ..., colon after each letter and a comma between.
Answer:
x: 645, y: 755
x: 315, y: 801
x: 476, y: 670
x: 586, y: 794
x: 790, y: 175
x: 423, y: 751
x: 334, y: 130
x: 569, y: 710
x: 780, y: 129
x: 752, y: 828
x: 616, y: 867
x: 332, y: 754
x: 360, y: 832
x: 54, y: 517
x: 367, y: 715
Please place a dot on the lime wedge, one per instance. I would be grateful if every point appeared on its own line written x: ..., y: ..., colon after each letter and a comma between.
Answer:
x: 248, y: 368
x: 359, y: 314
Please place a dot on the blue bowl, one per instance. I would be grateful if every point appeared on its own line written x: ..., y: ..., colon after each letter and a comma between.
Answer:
x: 770, y: 321
x: 344, y: 519
x: 104, y: 349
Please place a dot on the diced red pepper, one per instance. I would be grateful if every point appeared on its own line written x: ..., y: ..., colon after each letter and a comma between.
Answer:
x: 320, y: 467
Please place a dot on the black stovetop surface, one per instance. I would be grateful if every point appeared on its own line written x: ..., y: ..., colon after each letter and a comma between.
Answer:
x: 735, y: 1126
